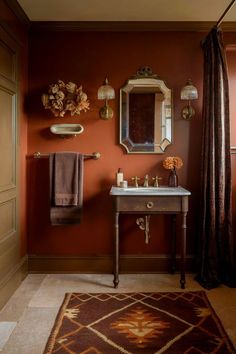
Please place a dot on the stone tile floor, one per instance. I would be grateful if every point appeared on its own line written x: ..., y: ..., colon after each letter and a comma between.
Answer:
x: 27, y: 318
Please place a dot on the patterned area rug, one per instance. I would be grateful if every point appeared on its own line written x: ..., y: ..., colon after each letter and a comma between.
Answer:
x: 132, y: 323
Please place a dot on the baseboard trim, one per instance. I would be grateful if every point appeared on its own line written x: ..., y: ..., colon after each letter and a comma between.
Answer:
x: 104, y: 264
x: 12, y: 280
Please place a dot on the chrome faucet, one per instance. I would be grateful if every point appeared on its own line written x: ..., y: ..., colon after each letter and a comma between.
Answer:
x: 145, y: 184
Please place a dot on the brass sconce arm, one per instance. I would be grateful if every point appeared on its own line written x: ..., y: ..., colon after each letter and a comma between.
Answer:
x: 189, y: 93
x: 188, y: 111
x: 106, y: 111
x: 106, y: 92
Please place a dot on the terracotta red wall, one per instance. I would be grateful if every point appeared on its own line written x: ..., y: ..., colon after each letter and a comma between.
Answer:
x: 87, y: 58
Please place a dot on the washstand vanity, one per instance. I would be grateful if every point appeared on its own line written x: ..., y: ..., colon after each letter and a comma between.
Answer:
x: 148, y: 201
x: 146, y: 128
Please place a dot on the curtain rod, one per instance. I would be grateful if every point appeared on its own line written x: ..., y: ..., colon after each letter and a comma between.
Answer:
x: 225, y: 12
x: 220, y: 19
x: 94, y: 155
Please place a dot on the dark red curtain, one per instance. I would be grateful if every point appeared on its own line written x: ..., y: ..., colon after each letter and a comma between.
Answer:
x: 215, y: 263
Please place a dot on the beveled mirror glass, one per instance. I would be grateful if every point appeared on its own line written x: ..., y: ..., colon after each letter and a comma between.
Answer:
x: 145, y: 114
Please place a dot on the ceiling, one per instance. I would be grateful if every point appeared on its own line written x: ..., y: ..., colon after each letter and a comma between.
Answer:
x: 127, y: 10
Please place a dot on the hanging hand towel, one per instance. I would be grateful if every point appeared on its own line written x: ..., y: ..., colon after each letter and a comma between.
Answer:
x: 66, y: 187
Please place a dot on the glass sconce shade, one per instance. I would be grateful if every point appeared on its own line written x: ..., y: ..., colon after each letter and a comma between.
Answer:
x: 106, y: 92
x: 189, y: 92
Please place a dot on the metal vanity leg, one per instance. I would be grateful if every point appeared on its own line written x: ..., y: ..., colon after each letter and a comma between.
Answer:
x: 183, y: 251
x: 173, y: 246
x: 116, y: 255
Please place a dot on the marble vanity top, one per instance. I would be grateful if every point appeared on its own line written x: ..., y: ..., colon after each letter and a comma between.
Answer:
x: 162, y: 190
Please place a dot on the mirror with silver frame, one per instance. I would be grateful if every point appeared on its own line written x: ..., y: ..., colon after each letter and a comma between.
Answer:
x: 145, y: 114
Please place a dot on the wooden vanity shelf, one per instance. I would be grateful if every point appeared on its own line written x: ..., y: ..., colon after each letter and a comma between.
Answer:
x: 173, y: 200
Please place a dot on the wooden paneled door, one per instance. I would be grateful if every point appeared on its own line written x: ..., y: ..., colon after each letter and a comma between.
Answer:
x: 9, y: 237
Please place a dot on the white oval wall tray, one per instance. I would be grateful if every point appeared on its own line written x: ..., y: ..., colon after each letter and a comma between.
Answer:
x: 67, y: 130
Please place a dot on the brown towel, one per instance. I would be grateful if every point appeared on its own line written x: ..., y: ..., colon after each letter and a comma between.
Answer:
x: 66, y: 187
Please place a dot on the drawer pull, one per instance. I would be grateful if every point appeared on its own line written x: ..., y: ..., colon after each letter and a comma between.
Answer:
x: 150, y: 205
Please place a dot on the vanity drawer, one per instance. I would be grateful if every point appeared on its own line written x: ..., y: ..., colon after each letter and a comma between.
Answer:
x: 149, y: 204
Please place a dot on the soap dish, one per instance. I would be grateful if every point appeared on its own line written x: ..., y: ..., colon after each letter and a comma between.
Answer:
x: 67, y: 130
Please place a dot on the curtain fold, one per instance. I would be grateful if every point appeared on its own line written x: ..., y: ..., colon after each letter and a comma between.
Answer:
x: 215, y: 261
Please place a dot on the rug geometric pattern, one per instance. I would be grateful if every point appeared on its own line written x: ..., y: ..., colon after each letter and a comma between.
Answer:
x: 133, y: 323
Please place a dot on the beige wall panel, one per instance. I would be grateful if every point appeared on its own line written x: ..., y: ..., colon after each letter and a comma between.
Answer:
x: 7, y: 141
x: 12, y: 280
x: 7, y: 195
x: 7, y: 243
x: 7, y: 218
x: 7, y: 62
x: 9, y: 105
x: 8, y: 260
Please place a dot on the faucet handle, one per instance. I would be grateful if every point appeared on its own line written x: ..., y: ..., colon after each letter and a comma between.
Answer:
x: 155, y: 179
x: 135, y: 179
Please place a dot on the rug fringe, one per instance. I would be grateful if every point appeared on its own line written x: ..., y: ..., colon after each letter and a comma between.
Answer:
x: 57, y: 323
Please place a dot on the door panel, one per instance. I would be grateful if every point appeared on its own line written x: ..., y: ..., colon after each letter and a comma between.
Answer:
x: 6, y: 258
x: 7, y: 218
x: 9, y: 238
x: 7, y: 61
x: 7, y: 141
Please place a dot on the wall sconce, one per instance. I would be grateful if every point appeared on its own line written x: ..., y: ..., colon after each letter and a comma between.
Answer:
x: 106, y: 92
x: 188, y: 92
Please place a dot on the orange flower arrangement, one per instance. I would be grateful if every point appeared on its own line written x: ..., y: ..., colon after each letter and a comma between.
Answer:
x: 172, y: 162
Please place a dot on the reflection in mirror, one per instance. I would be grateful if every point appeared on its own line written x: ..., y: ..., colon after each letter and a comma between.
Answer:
x: 145, y: 114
